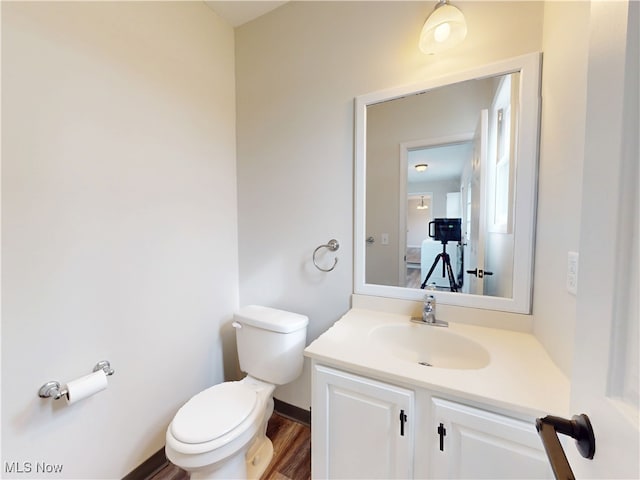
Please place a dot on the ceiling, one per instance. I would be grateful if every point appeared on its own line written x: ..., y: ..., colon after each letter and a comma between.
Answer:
x: 238, y: 12
x: 445, y: 162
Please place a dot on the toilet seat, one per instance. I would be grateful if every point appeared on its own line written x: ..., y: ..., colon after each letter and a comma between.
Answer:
x: 213, y: 413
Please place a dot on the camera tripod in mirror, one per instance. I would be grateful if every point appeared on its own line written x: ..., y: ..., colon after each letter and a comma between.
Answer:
x: 444, y: 230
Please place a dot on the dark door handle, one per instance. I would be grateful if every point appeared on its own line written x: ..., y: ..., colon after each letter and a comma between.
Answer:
x: 579, y: 428
x: 403, y: 418
x: 442, y: 432
x: 478, y: 272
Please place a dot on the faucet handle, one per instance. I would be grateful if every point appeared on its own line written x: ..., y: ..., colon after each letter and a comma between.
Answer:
x: 429, y: 313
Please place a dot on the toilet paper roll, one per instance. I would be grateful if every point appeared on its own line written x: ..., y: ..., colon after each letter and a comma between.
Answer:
x: 86, y: 386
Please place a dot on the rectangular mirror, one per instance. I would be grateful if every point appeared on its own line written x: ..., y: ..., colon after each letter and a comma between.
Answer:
x: 446, y: 181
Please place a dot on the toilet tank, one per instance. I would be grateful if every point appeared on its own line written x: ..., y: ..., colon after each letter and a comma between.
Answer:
x: 270, y: 343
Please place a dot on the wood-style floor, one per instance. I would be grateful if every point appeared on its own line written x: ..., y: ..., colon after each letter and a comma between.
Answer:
x: 291, y: 450
x: 413, y: 278
x: 291, y: 453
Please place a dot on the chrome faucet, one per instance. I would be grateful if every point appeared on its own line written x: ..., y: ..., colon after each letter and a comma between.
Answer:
x: 429, y: 313
x: 429, y: 309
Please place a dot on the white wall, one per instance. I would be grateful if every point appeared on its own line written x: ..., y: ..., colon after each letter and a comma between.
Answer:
x: 560, y: 177
x: 119, y: 223
x: 299, y: 69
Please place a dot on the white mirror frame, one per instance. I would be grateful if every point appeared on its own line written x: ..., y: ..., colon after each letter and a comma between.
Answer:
x: 525, y: 194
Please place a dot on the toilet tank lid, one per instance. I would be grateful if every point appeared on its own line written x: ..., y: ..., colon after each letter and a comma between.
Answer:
x: 271, y: 319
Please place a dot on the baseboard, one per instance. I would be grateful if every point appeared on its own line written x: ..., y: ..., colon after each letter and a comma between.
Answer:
x: 292, y: 412
x: 149, y: 467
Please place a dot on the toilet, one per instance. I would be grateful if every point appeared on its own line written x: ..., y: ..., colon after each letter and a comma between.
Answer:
x: 221, y: 431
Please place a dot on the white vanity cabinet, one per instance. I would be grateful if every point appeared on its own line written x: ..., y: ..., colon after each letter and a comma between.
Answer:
x: 362, y: 428
x: 366, y: 428
x: 475, y: 443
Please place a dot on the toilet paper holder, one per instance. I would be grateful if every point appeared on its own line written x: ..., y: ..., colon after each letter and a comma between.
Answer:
x: 56, y: 391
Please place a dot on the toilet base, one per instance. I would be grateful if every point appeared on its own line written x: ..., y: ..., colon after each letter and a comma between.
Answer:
x: 232, y: 468
x: 241, y: 467
x: 260, y: 460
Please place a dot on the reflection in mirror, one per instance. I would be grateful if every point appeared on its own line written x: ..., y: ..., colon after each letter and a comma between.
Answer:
x: 444, y: 157
x: 458, y: 175
x: 442, y: 179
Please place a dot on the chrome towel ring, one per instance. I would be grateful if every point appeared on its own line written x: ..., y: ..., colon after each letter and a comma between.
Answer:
x: 332, y: 246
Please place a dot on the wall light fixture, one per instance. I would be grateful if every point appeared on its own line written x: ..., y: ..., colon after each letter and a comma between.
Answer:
x: 444, y: 28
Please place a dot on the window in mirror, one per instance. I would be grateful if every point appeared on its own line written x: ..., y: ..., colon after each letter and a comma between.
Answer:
x: 503, y: 128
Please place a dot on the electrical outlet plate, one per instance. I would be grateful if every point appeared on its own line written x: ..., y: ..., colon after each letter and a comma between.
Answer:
x: 572, y: 272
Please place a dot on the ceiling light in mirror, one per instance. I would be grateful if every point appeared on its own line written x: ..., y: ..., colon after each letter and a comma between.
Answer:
x: 422, y: 206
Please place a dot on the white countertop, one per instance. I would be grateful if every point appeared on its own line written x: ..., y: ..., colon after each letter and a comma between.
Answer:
x: 520, y: 375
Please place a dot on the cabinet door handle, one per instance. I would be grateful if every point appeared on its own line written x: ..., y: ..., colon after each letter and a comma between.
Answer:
x: 403, y: 418
x: 442, y: 432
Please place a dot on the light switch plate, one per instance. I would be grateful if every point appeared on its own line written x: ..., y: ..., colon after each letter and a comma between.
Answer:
x: 572, y: 272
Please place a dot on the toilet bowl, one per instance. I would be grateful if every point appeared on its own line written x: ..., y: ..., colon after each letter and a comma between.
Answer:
x: 219, y: 424
x: 221, y: 431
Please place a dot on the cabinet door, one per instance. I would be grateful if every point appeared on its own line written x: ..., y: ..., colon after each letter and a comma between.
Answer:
x: 361, y: 428
x: 473, y: 443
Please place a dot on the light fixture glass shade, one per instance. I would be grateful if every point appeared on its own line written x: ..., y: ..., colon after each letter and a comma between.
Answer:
x: 422, y: 206
x: 445, y: 28
x: 421, y: 167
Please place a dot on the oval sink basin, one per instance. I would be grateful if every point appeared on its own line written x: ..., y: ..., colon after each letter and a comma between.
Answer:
x: 430, y: 346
